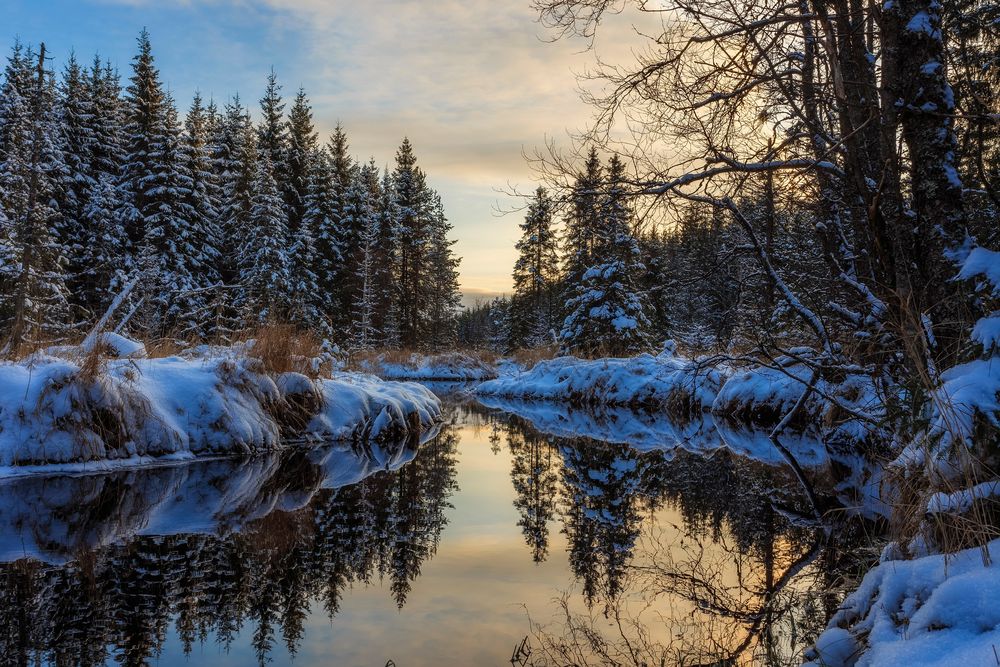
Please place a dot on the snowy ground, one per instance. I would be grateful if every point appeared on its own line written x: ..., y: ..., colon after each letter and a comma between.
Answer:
x: 453, y: 366
x: 682, y: 385
x: 935, y: 611
x: 135, y: 410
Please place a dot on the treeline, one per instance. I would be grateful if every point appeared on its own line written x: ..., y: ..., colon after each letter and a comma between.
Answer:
x: 593, y: 278
x: 210, y: 225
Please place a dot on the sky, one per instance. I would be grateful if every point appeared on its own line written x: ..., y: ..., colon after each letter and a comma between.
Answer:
x: 474, y: 84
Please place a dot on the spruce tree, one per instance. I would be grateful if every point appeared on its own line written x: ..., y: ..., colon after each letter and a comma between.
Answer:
x: 321, y: 219
x: 264, y: 263
x: 607, y: 308
x: 76, y: 180
x: 30, y: 167
x: 202, y: 197
x: 144, y: 100
x: 169, y: 257
x: 536, y: 275
x: 306, y: 302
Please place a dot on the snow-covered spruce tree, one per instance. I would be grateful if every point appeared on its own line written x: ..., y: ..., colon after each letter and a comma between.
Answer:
x: 385, y: 310
x: 607, y: 308
x: 203, y: 199
x: 582, y: 221
x: 536, y: 276
x: 264, y: 264
x: 169, y: 256
x: 31, y: 165
x: 272, y: 134
x: 233, y: 143
x: 107, y: 121
x: 76, y: 141
x: 349, y: 229
x: 322, y: 217
x: 499, y: 335
x: 306, y: 301
x: 443, y: 296
x: 102, y: 273
x: 144, y: 102
x: 364, y: 335
x: 412, y: 201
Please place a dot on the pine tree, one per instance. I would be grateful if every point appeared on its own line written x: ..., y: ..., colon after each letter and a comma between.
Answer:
x: 321, y: 219
x: 169, y: 258
x: 359, y: 212
x: 384, y: 286
x: 302, y: 143
x: 203, y: 196
x: 411, y: 229
x: 77, y: 141
x: 30, y: 167
x: 443, y: 296
x: 536, y: 275
x: 347, y: 230
x: 264, y: 263
x: 272, y: 135
x: 144, y: 99
x: 102, y: 274
x: 607, y: 309
x: 583, y: 221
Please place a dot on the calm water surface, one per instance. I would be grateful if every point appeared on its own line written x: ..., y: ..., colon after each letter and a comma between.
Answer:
x: 452, y: 552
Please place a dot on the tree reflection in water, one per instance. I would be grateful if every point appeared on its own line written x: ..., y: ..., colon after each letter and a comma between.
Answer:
x: 694, y: 560
x: 116, y: 601
x: 675, y: 558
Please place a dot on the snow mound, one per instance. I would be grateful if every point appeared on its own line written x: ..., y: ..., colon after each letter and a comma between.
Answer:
x: 682, y: 385
x: 115, y: 345
x: 937, y: 610
x: 765, y: 394
x: 52, y: 412
x: 451, y: 366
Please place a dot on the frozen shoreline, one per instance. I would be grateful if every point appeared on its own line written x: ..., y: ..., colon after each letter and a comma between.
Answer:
x: 137, y: 411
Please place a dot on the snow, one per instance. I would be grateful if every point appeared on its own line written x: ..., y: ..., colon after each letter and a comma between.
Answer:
x: 985, y: 263
x: 136, y: 409
x: 935, y: 610
x: 116, y: 345
x: 961, y: 501
x: 451, y: 366
x: 642, y: 380
x: 764, y: 394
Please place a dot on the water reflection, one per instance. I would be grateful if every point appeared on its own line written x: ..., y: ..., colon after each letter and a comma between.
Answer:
x: 221, y: 547
x: 671, y: 555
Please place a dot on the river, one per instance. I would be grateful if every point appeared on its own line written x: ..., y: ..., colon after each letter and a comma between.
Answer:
x: 511, y: 534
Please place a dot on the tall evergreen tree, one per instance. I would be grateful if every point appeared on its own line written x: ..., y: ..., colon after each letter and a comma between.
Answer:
x: 169, y: 257
x: 264, y: 263
x: 30, y: 167
x: 607, y: 308
x: 536, y: 275
x: 145, y: 101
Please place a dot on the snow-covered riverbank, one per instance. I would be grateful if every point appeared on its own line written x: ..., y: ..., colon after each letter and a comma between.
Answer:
x: 936, y: 610
x: 133, y: 410
x: 680, y: 384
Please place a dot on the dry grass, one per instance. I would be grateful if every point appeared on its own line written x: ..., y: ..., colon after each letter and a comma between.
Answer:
x: 528, y: 357
x: 284, y: 348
